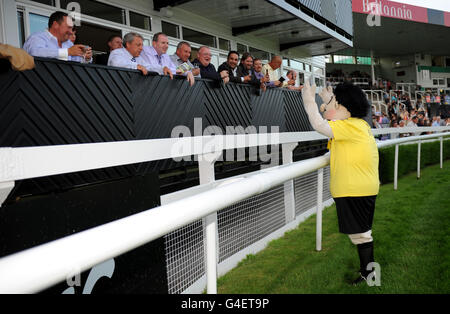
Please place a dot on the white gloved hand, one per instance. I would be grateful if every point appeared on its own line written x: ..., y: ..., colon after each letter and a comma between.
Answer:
x: 316, y: 120
x: 326, y: 94
x: 309, y: 94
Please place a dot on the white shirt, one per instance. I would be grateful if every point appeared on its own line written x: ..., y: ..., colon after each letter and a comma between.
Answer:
x: 44, y: 44
x: 122, y: 58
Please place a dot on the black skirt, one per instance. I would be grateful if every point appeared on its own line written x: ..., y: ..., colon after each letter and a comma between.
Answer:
x: 355, y: 214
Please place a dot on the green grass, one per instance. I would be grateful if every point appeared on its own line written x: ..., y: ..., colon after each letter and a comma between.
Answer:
x: 411, y: 244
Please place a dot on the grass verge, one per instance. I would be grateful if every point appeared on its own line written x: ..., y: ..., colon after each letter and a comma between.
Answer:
x: 411, y: 244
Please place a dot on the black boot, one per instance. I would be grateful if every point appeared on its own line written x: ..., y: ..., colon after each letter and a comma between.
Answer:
x: 365, y: 252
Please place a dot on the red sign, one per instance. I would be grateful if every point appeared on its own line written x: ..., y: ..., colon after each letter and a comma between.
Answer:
x: 447, y: 18
x: 428, y: 98
x: 438, y: 99
x: 391, y: 9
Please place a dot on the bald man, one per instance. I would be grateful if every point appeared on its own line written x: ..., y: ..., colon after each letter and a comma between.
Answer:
x: 270, y: 71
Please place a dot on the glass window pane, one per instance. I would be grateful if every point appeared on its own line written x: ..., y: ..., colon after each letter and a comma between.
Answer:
x: 344, y: 59
x: 260, y: 54
x: 215, y: 61
x: 241, y: 48
x: 285, y: 62
x: 170, y: 29
x: 364, y: 60
x: 140, y: 21
x: 318, y: 71
x: 38, y: 23
x: 21, y: 28
x: 199, y: 37
x: 171, y: 50
x: 100, y: 10
x: 47, y: 2
x: 224, y: 44
x: 222, y: 58
x: 297, y: 65
x: 308, y: 67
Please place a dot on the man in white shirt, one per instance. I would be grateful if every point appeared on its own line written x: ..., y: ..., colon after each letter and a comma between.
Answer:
x: 129, y: 56
x: 55, y: 43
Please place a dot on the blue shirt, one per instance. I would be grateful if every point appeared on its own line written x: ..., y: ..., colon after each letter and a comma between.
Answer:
x: 122, y: 58
x: 156, y: 63
x: 44, y: 44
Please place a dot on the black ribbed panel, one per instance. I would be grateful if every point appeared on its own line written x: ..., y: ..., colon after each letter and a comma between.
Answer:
x: 68, y: 103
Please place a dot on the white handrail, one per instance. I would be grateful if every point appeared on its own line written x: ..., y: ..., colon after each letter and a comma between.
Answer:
x: 37, y: 268
x: 40, y: 267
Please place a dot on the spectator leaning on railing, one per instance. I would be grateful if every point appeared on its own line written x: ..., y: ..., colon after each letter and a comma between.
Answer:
x: 130, y: 55
x: 207, y: 69
x: 55, y: 43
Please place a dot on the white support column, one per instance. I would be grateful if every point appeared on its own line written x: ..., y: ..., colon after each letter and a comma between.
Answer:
x: 319, y: 210
x: 289, y: 195
x: 418, y: 158
x: 211, y: 235
x: 442, y: 151
x: 396, y: 167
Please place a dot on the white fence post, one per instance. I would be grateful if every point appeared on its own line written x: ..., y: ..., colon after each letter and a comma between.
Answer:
x: 289, y: 195
x: 5, y: 189
x: 418, y: 158
x: 206, y: 172
x: 319, y: 210
x: 442, y: 151
x: 396, y: 167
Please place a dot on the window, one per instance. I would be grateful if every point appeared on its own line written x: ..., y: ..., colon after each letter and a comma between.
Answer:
x: 318, y: 71
x: 100, y: 10
x: 241, y: 48
x: 344, y: 59
x: 222, y: 58
x: 224, y: 44
x: 285, y: 62
x: 260, y: 54
x: 307, y: 67
x: 319, y: 82
x: 47, y: 2
x: 172, y: 49
x: 448, y: 82
x: 364, y: 60
x: 439, y: 82
x: 38, y: 23
x: 297, y: 65
x: 199, y: 37
x: 170, y: 29
x: 328, y: 59
x: 21, y: 28
x: 140, y: 21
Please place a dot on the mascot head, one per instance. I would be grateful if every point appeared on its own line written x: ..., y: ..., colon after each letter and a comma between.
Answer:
x: 347, y: 101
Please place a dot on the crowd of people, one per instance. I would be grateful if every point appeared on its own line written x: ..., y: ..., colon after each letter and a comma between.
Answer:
x: 404, y: 115
x: 130, y: 52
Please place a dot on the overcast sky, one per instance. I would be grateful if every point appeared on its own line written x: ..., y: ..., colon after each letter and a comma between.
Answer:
x: 443, y: 5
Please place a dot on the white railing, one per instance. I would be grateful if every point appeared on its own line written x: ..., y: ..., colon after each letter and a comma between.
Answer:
x: 40, y: 267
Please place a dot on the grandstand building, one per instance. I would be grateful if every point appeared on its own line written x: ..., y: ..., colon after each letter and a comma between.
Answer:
x: 302, y: 31
x: 404, y: 44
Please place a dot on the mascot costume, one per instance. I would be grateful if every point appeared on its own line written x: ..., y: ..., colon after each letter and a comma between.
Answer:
x: 354, y: 181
